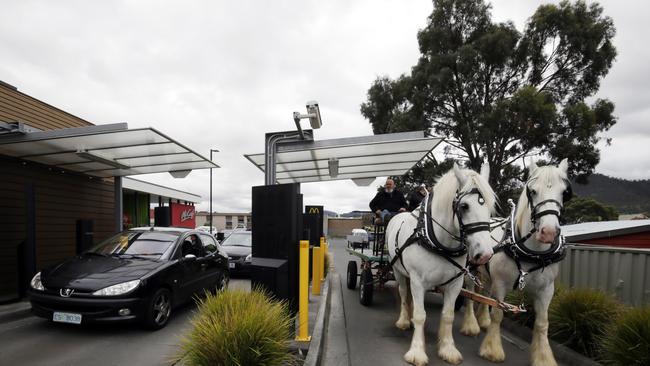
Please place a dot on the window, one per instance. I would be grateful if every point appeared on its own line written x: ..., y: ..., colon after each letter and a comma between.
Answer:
x: 209, y: 244
x: 240, y: 222
x: 228, y: 222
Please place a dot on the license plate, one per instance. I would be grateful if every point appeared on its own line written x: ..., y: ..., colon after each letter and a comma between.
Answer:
x: 231, y: 265
x: 67, y: 318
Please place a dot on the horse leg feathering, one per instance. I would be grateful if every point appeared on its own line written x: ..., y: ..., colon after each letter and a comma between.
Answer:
x: 446, y: 348
x: 541, y: 354
x: 416, y: 355
x: 491, y: 347
x: 404, y: 321
x: 470, y: 325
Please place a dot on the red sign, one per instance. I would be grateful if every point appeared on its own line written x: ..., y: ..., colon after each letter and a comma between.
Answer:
x: 183, y: 216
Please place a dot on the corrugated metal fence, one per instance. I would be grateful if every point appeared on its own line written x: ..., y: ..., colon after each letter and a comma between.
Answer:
x: 624, y: 272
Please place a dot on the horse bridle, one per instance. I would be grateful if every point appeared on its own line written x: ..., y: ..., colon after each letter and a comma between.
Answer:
x: 535, y: 215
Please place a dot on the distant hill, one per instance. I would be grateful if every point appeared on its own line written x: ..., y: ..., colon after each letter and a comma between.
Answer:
x: 628, y: 196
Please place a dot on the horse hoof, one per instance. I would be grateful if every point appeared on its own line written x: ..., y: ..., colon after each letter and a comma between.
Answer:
x: 492, y: 355
x: 470, y: 328
x: 403, y: 325
x: 543, y: 360
x: 484, y: 322
x: 416, y: 357
x: 450, y: 355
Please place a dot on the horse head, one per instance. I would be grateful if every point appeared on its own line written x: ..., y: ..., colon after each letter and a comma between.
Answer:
x: 469, y: 200
x: 543, y: 198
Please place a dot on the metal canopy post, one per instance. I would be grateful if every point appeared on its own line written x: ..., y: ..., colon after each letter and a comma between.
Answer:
x: 273, y: 141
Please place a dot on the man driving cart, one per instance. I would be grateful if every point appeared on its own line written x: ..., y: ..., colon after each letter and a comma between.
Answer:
x: 387, y: 203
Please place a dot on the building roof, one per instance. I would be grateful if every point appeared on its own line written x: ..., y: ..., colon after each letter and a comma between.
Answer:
x: 604, y: 229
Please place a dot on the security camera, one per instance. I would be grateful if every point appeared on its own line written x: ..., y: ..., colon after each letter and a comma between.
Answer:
x: 314, y: 114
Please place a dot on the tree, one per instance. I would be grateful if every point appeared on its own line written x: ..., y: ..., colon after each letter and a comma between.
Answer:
x: 584, y: 209
x: 500, y: 95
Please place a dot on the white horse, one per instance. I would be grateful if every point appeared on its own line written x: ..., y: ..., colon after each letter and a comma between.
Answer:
x: 537, y: 230
x: 461, y: 207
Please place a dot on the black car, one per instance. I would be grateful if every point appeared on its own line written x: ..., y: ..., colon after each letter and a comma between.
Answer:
x: 138, y: 274
x: 238, y: 246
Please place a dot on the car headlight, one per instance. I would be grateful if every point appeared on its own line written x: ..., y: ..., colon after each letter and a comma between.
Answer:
x: 36, y: 282
x: 119, y: 289
x: 249, y: 257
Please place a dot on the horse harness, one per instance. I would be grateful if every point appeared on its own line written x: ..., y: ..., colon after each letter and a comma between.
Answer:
x: 514, y: 247
x: 425, y: 236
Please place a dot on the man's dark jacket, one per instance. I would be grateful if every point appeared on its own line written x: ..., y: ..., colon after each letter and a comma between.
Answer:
x: 388, y: 201
x: 415, y: 198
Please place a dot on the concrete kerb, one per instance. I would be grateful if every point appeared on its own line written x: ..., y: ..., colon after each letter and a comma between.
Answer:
x: 562, y: 353
x: 15, y: 311
x: 315, y: 351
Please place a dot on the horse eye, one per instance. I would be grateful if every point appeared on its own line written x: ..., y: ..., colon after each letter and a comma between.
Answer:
x: 533, y: 192
x: 464, y: 206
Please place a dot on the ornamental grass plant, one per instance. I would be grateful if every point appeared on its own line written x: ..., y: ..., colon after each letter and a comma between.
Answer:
x: 236, y: 327
x: 628, y: 341
x: 579, y: 319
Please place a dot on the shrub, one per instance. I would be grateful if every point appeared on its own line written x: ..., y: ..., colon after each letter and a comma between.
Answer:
x: 235, y: 327
x: 579, y: 318
x: 628, y: 342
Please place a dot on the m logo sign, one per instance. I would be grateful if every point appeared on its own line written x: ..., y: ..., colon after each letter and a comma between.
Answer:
x: 314, y: 210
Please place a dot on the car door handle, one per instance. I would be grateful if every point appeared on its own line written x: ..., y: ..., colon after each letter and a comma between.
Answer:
x: 203, y: 265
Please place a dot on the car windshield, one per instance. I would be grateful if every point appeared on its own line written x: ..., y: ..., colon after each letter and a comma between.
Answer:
x: 238, y: 240
x: 132, y: 244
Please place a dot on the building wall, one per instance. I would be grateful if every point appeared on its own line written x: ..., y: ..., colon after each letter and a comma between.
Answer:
x: 638, y: 240
x: 219, y: 219
x: 60, y: 200
x: 18, y: 107
x: 340, y: 227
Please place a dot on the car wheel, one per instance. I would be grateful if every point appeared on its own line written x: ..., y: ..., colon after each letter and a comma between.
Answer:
x: 159, y: 309
x: 223, y: 282
x: 366, y: 287
x: 352, y: 275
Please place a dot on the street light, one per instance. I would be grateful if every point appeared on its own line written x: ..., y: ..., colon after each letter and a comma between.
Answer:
x: 211, y: 150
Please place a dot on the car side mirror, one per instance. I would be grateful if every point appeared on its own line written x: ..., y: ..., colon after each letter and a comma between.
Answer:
x: 189, y: 257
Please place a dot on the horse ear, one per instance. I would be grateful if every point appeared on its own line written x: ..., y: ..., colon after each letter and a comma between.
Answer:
x: 564, y: 165
x: 485, y: 171
x: 462, y: 178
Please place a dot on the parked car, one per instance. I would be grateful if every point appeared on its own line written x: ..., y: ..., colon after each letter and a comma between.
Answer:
x: 139, y: 274
x: 239, y: 248
x: 358, y: 239
x: 207, y: 229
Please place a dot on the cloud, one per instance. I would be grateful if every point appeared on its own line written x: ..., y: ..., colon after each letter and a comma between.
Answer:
x: 222, y: 74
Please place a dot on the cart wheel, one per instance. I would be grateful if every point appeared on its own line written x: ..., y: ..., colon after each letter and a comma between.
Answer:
x: 352, y: 275
x: 366, y: 287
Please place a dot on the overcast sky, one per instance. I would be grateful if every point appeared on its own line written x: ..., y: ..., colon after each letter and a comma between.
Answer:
x: 219, y: 74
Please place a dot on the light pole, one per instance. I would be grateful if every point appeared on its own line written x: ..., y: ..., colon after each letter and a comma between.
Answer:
x: 211, y: 150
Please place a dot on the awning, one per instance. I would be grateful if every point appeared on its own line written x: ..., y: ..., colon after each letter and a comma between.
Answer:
x: 105, y: 150
x: 156, y: 191
x: 354, y: 158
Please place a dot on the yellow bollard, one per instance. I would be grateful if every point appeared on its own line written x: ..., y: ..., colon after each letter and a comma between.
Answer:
x: 303, y: 294
x: 323, y: 250
x: 316, y: 272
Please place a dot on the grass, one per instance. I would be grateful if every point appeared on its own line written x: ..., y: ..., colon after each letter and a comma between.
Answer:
x: 239, y: 328
x: 628, y: 341
x: 327, y: 260
x: 579, y: 318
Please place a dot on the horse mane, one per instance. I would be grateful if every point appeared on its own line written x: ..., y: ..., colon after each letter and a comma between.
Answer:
x: 446, y: 187
x: 546, y: 175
